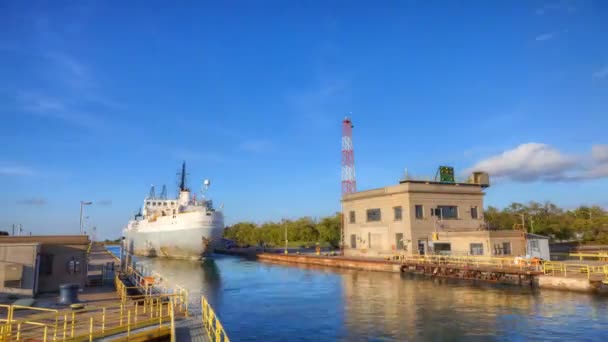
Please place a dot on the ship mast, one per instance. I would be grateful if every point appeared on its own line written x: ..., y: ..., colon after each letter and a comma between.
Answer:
x: 182, y: 183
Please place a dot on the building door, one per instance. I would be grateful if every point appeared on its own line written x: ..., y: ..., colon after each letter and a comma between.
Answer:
x: 421, y: 244
x: 399, y: 241
x: 353, y: 241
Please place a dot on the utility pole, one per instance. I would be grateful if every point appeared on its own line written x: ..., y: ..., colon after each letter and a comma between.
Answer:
x: 285, y: 239
x: 82, y: 204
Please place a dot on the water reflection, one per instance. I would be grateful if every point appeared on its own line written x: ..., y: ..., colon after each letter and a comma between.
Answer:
x: 274, y: 302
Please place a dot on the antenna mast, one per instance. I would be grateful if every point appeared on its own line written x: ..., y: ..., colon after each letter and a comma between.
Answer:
x: 182, y: 178
x: 152, y: 194
x: 349, y: 183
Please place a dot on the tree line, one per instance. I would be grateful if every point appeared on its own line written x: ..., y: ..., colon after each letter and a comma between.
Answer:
x: 586, y: 223
x: 303, y: 231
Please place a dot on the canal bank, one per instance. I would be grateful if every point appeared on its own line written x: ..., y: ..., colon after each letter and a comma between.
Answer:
x: 508, y: 271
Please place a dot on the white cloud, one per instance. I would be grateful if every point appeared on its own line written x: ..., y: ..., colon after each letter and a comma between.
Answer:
x: 545, y: 36
x: 320, y: 106
x: 13, y: 170
x: 600, y: 153
x: 33, y: 201
x: 256, y: 146
x: 559, y: 6
x: 601, y: 73
x: 541, y: 162
x: 54, y: 108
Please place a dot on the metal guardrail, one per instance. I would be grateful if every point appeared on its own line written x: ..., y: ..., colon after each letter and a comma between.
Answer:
x: 474, y: 261
x: 211, y: 323
x: 567, y: 269
x: 90, y: 323
x: 151, y: 306
x: 598, y: 256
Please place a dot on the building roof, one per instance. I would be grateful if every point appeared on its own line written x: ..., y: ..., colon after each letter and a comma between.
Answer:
x: 535, y: 236
x: 47, y: 239
x: 415, y: 186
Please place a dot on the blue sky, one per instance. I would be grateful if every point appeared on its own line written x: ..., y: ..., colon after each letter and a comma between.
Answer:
x: 99, y: 100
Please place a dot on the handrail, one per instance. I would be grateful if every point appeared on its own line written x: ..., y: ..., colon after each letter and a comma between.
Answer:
x: 91, y: 323
x: 473, y: 261
x: 565, y: 269
x: 602, y: 256
x: 211, y: 323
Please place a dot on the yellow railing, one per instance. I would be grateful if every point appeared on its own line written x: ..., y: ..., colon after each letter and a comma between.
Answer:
x: 473, y: 261
x: 211, y: 323
x: 575, y: 270
x: 602, y: 256
x: 91, y: 323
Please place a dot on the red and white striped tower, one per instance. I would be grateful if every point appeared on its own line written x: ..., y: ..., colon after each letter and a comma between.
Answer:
x: 349, y: 183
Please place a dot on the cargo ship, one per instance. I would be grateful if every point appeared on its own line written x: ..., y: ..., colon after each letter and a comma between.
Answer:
x: 182, y: 228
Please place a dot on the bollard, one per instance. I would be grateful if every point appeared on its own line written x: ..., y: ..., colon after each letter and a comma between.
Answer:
x: 128, y: 323
x: 91, y: 329
x: 103, y: 320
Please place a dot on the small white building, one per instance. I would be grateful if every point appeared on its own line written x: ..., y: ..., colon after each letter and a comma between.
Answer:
x: 537, y: 246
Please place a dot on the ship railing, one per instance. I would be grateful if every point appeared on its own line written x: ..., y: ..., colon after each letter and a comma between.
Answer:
x: 211, y: 323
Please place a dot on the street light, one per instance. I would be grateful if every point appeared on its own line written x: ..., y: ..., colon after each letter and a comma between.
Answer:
x: 82, y: 204
x: 286, y: 240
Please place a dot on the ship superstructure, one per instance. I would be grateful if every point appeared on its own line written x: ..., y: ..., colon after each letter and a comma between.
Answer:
x: 182, y: 227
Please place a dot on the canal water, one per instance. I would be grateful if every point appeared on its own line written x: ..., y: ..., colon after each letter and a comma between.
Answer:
x: 275, y: 302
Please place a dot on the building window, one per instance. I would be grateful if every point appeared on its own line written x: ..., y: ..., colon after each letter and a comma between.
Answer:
x: 398, y: 213
x: 399, y: 241
x: 448, y: 211
x: 46, y: 264
x: 351, y: 216
x: 476, y: 249
x: 165, y: 204
x: 419, y: 211
x: 353, y: 241
x: 172, y: 203
x: 373, y: 215
x: 74, y: 266
x: 506, y: 247
x: 147, y: 203
x: 442, y: 248
x: 502, y: 249
x: 534, y: 245
x: 474, y: 213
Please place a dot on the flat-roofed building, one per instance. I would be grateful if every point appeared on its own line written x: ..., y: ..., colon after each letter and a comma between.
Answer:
x: 424, y: 217
x: 36, y: 264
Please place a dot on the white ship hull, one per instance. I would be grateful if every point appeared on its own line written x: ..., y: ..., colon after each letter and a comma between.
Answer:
x: 190, y: 235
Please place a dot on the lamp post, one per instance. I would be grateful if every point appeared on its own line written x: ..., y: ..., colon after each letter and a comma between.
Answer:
x: 82, y: 204
x: 286, y: 239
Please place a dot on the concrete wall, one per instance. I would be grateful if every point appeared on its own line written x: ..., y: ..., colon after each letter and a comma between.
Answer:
x: 18, y: 260
x: 62, y: 255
